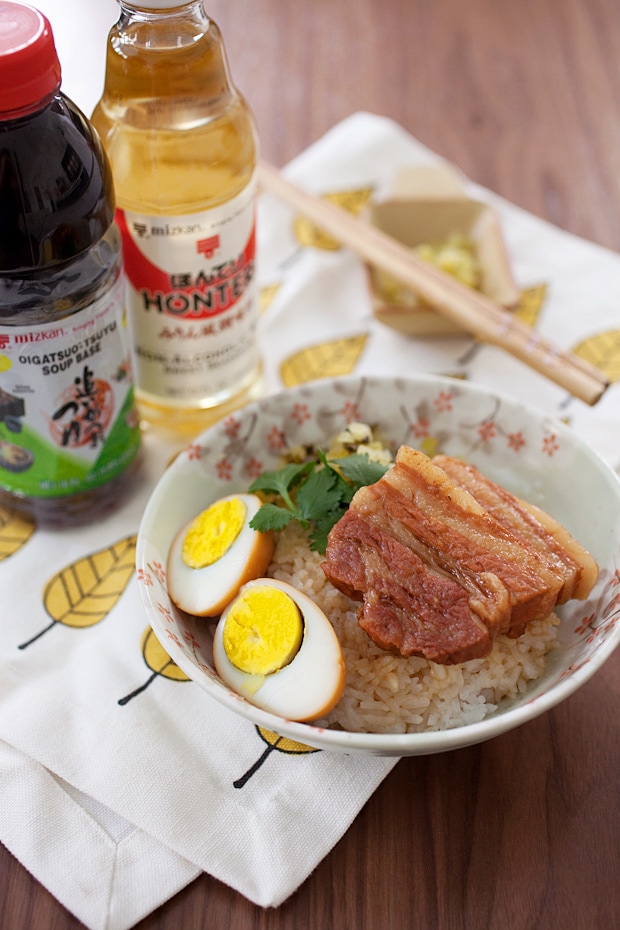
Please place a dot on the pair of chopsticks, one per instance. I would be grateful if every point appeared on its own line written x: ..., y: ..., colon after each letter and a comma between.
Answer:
x: 471, y: 310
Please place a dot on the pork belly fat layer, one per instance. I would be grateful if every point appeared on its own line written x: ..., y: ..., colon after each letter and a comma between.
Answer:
x: 573, y: 565
x: 589, y: 574
x: 466, y: 539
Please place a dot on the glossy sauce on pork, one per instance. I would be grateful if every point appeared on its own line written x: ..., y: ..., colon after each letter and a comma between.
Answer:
x: 437, y: 574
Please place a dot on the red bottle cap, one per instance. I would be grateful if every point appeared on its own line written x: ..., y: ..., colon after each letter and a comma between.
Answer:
x: 29, y: 66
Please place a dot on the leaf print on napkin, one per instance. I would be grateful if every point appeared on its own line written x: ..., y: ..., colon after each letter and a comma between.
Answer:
x: 326, y: 360
x: 275, y: 742
x: 84, y: 592
x: 15, y: 531
x: 531, y: 303
x: 308, y: 234
x: 158, y: 662
x: 602, y: 351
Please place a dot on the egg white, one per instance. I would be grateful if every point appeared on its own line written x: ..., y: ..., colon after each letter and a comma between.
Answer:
x: 312, y: 682
x: 205, y: 592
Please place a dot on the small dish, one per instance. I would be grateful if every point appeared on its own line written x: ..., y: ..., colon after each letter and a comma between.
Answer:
x: 428, y: 206
x: 534, y: 456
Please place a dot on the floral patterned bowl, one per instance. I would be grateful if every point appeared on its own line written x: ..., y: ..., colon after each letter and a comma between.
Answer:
x: 535, y: 456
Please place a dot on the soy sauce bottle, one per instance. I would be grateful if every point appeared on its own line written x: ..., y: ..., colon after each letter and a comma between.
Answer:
x: 69, y: 431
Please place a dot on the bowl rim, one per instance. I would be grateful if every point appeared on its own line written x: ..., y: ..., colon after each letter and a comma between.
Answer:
x: 386, y: 744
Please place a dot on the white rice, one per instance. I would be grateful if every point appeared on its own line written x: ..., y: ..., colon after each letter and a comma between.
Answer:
x: 385, y: 693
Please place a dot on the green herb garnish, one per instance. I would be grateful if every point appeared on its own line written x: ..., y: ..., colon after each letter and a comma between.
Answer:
x: 315, y: 493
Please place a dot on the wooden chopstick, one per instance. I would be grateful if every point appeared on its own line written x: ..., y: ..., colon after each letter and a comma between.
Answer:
x: 471, y: 310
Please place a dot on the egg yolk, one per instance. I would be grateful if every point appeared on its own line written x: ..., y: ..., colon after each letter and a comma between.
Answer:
x: 213, y: 532
x: 263, y: 631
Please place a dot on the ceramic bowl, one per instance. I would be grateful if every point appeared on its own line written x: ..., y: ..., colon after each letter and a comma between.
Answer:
x: 533, y: 455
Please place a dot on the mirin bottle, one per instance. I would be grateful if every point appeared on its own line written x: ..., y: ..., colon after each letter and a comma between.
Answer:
x: 183, y: 149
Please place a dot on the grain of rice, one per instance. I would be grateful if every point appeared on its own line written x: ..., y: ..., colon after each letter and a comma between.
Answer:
x: 388, y: 694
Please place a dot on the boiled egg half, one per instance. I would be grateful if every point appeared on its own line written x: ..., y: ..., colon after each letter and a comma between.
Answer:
x: 275, y: 647
x: 215, y: 554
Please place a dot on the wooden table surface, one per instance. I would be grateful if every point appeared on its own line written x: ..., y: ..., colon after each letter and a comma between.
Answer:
x: 520, y: 833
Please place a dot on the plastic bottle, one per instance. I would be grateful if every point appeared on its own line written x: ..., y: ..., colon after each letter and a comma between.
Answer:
x: 183, y: 148
x: 69, y: 429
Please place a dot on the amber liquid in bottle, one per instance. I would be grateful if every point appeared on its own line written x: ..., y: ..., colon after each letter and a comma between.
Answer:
x: 181, y: 140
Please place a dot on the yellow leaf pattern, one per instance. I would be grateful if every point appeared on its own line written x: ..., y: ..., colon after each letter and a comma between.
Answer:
x: 283, y: 743
x: 307, y: 234
x: 158, y: 660
x: 603, y: 351
x: 15, y: 531
x: 274, y: 742
x: 84, y: 592
x: 531, y: 303
x: 326, y: 360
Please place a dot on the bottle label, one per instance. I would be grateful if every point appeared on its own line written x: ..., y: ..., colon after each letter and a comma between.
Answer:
x: 193, y: 300
x: 67, y: 417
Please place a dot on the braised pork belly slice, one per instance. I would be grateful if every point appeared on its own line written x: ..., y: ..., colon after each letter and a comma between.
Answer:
x: 409, y: 607
x: 417, y: 519
x: 431, y: 511
x: 563, y: 555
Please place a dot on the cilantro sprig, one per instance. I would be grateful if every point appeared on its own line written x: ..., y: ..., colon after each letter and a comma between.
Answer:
x: 315, y: 493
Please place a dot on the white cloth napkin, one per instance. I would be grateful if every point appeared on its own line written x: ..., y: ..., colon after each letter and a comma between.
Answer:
x: 121, y: 785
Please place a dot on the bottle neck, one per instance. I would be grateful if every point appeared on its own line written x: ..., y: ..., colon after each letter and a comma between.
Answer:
x: 180, y: 27
x: 134, y: 12
x: 170, y: 56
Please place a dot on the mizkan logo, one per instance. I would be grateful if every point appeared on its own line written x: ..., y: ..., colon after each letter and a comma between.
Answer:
x: 208, y: 247
x: 144, y: 231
